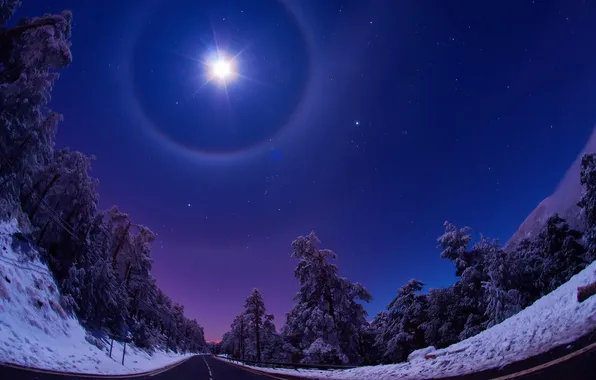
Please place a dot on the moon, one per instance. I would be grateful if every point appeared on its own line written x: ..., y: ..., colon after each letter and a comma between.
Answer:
x: 221, y: 69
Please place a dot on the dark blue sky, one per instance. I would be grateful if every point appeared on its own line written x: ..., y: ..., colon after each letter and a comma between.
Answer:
x: 371, y: 122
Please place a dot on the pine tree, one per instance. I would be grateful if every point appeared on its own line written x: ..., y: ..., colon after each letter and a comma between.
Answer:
x: 588, y: 203
x: 443, y: 318
x: 271, y: 341
x: 470, y: 267
x: 454, y: 243
x: 255, y: 311
x: 405, y: 315
x: 327, y: 322
x: 561, y: 254
x: 30, y: 54
x: 7, y: 9
x: 102, y: 267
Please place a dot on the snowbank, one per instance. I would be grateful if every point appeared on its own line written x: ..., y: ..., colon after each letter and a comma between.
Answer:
x: 36, y: 332
x: 553, y: 320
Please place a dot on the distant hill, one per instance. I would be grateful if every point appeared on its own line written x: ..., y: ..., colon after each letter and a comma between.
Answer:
x: 563, y: 201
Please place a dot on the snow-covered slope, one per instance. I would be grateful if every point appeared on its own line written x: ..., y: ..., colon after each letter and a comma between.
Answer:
x: 553, y: 320
x: 36, y: 332
x: 563, y: 201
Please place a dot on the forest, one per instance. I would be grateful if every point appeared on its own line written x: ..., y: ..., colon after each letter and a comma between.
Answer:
x: 100, y: 259
x: 328, y: 324
x: 102, y: 262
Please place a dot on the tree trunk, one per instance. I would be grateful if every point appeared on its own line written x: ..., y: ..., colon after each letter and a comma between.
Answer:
x: 242, y: 348
x: 127, y: 275
x: 43, y: 195
x: 258, y: 333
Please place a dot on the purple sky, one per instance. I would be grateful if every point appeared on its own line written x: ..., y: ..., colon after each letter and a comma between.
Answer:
x: 369, y: 122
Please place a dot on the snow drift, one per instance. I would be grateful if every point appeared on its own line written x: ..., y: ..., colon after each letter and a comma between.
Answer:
x: 36, y: 332
x: 563, y: 201
x: 555, y: 319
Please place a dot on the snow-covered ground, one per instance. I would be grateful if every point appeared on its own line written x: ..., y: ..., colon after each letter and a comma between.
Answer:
x: 553, y: 320
x: 35, y: 331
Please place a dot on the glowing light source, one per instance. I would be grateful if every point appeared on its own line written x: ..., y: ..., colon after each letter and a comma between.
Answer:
x: 221, y: 69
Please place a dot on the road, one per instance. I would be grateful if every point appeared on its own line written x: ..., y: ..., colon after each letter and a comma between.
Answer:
x: 201, y: 367
x: 581, y: 366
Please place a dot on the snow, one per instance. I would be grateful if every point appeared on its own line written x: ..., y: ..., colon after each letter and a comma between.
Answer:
x: 420, y: 354
x: 563, y: 201
x: 36, y: 332
x: 553, y: 320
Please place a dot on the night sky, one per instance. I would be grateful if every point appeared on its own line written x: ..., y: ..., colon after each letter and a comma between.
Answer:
x: 370, y: 122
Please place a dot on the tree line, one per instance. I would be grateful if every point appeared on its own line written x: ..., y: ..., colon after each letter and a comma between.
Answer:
x: 100, y: 259
x: 328, y: 325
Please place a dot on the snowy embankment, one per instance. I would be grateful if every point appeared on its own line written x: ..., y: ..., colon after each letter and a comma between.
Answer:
x: 36, y: 332
x: 556, y: 319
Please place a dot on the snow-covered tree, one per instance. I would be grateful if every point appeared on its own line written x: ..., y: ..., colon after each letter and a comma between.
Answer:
x: 402, y: 325
x: 379, y: 328
x: 327, y: 321
x: 254, y: 308
x: 62, y: 205
x: 235, y: 341
x: 588, y: 203
x: 470, y: 267
x: 252, y: 334
x: 272, y: 342
x: 30, y: 53
x: 7, y: 9
x: 443, y: 319
x: 100, y: 261
x: 454, y: 243
x: 561, y: 254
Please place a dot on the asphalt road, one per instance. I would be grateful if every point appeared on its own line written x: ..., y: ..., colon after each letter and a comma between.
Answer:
x: 201, y: 367
x: 581, y: 366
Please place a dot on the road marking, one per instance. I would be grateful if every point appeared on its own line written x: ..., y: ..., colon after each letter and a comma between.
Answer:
x: 257, y: 372
x: 548, y: 364
x: 209, y: 368
x: 96, y: 375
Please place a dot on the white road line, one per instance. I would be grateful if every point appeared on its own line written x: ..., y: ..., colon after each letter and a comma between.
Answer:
x: 209, y: 368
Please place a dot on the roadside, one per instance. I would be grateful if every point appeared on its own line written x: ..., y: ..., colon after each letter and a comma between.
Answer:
x: 276, y: 376
x: 573, y: 361
x: 8, y: 367
x: 578, y: 367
